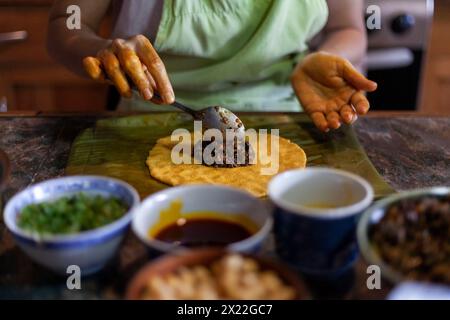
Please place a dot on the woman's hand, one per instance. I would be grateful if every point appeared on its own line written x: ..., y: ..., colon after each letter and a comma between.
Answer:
x: 331, y: 90
x: 137, y: 59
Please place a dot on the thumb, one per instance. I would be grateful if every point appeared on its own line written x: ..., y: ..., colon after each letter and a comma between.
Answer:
x: 357, y: 79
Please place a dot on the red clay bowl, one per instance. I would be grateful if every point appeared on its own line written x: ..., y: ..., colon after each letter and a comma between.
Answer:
x: 170, y: 263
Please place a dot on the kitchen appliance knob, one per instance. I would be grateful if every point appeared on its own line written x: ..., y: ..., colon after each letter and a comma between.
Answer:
x: 403, y: 23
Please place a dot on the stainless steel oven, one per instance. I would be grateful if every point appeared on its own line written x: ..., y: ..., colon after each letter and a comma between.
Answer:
x: 396, y: 52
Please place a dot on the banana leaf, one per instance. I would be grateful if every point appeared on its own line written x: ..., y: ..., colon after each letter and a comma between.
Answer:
x: 118, y: 147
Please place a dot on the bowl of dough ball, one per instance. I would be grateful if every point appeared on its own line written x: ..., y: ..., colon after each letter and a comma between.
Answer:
x: 215, y: 274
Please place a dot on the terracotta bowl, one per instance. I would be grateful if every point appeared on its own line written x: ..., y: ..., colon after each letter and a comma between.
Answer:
x: 170, y: 263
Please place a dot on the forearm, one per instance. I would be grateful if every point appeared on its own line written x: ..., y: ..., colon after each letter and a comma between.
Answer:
x: 348, y: 43
x: 69, y: 47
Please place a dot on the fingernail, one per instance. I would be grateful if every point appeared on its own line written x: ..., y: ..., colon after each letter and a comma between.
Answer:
x: 168, y: 97
x: 147, y: 94
x: 375, y: 85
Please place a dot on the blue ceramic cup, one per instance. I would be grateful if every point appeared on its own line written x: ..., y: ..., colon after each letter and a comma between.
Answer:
x: 316, y: 211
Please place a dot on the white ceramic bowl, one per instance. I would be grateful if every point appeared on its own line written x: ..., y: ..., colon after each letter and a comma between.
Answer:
x: 213, y: 198
x: 89, y: 250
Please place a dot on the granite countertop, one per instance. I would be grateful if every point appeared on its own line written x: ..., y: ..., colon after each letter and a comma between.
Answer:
x: 408, y: 151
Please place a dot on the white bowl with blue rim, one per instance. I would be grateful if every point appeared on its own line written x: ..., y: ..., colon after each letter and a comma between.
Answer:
x: 212, y: 198
x: 89, y: 250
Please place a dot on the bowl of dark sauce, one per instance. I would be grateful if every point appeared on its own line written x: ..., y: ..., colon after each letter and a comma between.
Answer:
x: 198, y: 216
x: 199, y: 232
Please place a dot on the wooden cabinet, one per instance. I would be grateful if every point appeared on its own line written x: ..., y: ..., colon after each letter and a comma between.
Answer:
x: 29, y: 79
x: 436, y: 81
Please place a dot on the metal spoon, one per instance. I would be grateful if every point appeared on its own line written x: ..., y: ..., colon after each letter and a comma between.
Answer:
x: 213, y: 117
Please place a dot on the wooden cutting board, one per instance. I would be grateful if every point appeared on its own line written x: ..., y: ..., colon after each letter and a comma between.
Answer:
x: 118, y: 147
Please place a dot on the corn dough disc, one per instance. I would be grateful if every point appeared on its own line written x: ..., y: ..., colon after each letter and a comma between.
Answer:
x: 249, y: 178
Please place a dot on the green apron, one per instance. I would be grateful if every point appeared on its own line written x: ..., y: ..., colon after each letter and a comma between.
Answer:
x: 234, y: 53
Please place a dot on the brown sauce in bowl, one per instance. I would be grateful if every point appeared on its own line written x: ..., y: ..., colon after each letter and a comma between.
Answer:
x: 199, y: 232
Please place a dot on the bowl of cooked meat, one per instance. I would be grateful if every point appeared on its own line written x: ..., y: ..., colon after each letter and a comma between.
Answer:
x: 408, y: 236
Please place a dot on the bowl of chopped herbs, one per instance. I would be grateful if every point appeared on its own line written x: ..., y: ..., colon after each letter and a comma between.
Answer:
x: 72, y: 221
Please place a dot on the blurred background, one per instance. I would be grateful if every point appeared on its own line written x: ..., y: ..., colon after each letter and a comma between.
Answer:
x: 409, y: 58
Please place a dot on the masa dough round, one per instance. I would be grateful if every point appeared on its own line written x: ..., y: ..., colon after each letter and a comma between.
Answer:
x: 249, y: 178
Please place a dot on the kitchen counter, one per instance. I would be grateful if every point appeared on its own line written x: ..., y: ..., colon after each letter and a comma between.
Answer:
x: 408, y: 150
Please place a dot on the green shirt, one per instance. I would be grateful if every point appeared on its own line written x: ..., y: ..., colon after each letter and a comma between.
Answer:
x: 235, y: 53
